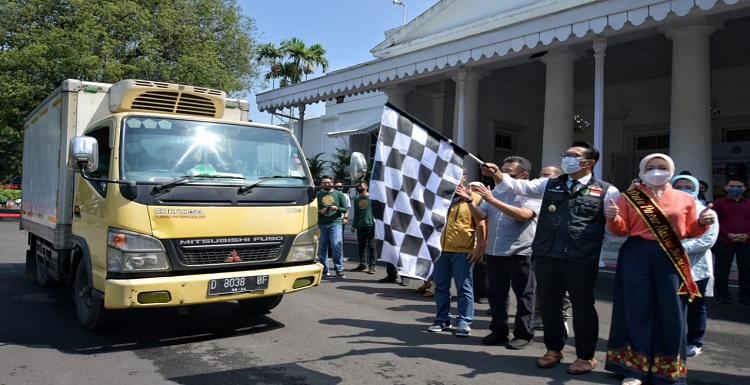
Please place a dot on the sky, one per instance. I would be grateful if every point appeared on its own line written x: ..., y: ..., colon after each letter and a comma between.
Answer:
x: 347, y: 30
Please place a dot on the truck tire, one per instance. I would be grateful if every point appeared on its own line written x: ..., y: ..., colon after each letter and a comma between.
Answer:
x: 262, y: 305
x: 89, y: 309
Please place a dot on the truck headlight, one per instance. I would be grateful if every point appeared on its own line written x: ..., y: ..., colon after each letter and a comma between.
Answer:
x: 305, y: 246
x: 129, y: 252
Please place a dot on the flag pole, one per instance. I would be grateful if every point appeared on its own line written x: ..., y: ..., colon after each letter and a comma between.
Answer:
x: 431, y: 130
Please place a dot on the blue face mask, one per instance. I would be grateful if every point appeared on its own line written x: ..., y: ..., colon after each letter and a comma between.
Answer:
x: 735, y: 191
x: 684, y: 190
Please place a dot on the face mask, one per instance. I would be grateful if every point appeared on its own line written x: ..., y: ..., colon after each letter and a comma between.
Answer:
x: 657, y: 177
x: 360, y: 190
x: 570, y: 165
x: 735, y: 191
x: 685, y: 190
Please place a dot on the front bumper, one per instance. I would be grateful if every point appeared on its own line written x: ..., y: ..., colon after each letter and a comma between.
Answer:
x: 193, y: 289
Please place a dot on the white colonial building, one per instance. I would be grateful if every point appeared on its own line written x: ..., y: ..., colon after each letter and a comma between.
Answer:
x: 506, y: 78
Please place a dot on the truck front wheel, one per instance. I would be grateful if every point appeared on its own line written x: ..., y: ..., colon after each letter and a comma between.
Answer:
x: 260, y: 305
x: 90, y: 310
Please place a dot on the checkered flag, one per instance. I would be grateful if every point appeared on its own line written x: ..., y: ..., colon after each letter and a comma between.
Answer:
x: 414, y: 176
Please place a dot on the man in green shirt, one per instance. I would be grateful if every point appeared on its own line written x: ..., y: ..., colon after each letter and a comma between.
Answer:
x: 364, y: 224
x: 331, y: 205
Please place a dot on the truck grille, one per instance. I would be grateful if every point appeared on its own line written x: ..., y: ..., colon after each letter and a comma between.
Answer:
x: 174, y: 102
x: 219, y: 256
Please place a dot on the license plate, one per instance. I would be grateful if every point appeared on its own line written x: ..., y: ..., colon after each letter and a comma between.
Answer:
x: 237, y: 284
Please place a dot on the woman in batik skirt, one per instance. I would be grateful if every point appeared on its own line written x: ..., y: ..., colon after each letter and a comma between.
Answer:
x: 647, y: 335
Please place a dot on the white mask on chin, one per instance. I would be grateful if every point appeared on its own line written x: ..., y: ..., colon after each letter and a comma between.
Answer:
x: 570, y: 165
x: 657, y: 177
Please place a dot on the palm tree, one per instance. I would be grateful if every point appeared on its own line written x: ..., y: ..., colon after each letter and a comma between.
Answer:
x: 304, y: 59
x: 317, y: 166
x: 340, y: 166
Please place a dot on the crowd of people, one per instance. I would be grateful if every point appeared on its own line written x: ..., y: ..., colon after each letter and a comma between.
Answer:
x: 543, y: 237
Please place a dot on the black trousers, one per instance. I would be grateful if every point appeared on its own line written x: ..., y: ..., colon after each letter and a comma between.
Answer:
x: 517, y: 272
x: 366, y: 243
x: 723, y: 257
x: 481, y: 280
x: 554, y: 277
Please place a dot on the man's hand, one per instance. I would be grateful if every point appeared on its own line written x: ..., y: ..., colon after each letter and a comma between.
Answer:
x: 489, y: 169
x: 484, y: 192
x: 463, y: 192
x: 612, y: 210
x: 475, y: 255
x: 353, y: 228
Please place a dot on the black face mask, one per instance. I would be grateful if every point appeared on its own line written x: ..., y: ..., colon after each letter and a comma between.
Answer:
x: 360, y: 190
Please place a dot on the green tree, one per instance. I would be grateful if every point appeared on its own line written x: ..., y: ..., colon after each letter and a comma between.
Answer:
x: 206, y: 43
x: 340, y: 164
x: 318, y: 167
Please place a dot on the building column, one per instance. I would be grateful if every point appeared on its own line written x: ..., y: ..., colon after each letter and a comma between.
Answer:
x: 301, y: 122
x: 465, y: 115
x: 398, y: 96
x: 600, y: 47
x: 690, y: 115
x: 558, y: 106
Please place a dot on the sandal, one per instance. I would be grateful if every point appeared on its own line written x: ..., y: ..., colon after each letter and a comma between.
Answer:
x: 425, y: 286
x: 428, y: 293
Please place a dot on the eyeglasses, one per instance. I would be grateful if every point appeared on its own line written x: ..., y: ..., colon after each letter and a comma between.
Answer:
x: 570, y: 155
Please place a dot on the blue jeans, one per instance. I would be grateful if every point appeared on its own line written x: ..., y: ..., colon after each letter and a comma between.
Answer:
x: 456, y: 266
x: 696, y: 316
x: 331, y: 234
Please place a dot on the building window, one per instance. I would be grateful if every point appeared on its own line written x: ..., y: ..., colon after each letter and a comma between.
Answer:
x: 503, y: 141
x: 651, y: 142
x: 373, y: 145
x: 738, y: 135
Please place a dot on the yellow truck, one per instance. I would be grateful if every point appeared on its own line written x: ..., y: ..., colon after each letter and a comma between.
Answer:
x: 147, y: 194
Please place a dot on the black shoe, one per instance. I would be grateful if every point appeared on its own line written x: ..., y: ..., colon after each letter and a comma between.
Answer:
x: 518, y: 343
x: 340, y: 274
x: 482, y: 301
x: 359, y: 268
x: 494, y: 339
x: 388, y: 279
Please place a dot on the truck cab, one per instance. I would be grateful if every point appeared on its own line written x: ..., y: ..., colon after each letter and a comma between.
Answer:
x: 172, y: 201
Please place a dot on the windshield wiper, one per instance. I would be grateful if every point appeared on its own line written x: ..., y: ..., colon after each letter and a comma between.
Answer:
x: 246, y: 188
x: 164, y: 187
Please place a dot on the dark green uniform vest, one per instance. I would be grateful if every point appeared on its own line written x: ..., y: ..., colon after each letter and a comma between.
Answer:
x: 571, y: 226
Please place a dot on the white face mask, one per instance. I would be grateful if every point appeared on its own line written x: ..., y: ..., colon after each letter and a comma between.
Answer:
x: 657, y: 177
x: 570, y: 165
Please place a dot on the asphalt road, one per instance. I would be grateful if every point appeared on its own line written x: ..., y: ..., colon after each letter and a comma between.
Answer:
x: 349, y: 331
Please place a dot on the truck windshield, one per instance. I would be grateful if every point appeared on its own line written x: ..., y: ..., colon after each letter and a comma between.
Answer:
x: 160, y: 150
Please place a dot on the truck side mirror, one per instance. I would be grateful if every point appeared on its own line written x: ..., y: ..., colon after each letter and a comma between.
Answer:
x: 83, y: 151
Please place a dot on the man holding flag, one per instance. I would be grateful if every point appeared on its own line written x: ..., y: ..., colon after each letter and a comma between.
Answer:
x: 415, y: 174
x: 462, y: 243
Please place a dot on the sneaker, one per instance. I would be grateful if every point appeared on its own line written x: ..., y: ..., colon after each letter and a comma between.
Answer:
x: 325, y: 273
x: 405, y: 281
x: 340, y: 274
x: 360, y: 268
x: 371, y: 270
x: 439, y: 326
x: 463, y: 330
x: 537, y: 323
x: 518, y: 344
x: 494, y: 339
x: 693, y: 351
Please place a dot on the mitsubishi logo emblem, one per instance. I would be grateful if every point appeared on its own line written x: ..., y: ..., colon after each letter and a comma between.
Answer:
x: 233, y: 257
